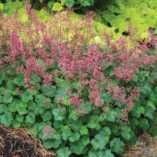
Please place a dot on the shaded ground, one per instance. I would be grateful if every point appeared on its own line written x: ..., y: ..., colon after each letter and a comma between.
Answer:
x: 146, y: 146
x: 18, y: 143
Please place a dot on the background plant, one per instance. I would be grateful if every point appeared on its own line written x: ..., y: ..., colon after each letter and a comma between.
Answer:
x: 55, y: 5
x: 117, y: 14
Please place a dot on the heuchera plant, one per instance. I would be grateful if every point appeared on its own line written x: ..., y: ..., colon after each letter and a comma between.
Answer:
x: 79, y: 97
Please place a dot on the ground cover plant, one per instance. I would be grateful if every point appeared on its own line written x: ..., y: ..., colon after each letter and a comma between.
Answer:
x: 82, y: 98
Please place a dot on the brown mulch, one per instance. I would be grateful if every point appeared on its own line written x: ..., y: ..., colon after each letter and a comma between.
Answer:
x: 146, y: 146
x: 19, y: 143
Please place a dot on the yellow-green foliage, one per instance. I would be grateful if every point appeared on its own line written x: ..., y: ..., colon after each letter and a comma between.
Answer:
x: 141, y: 13
x: 18, y: 7
x: 1, y: 6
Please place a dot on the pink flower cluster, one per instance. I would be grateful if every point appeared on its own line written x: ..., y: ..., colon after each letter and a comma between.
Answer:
x: 118, y: 93
x: 126, y: 72
x: 50, y: 53
x: 74, y: 100
x: 16, y: 45
x: 33, y: 67
x: 148, y: 60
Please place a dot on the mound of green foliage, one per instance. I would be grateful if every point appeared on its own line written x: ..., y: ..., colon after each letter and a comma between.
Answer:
x: 80, y: 98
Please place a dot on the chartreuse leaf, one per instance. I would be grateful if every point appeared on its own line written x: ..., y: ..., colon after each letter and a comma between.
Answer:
x: 1, y: 6
x: 117, y: 146
x: 57, y: 7
x: 63, y: 152
x: 141, y: 14
x: 23, y: 16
